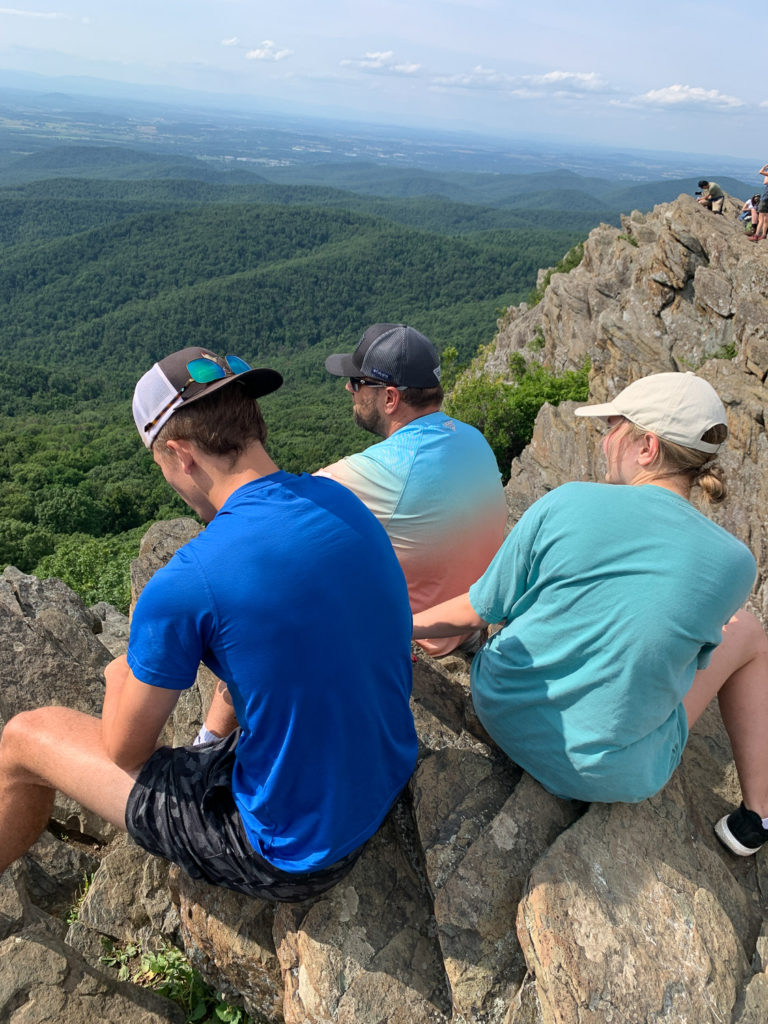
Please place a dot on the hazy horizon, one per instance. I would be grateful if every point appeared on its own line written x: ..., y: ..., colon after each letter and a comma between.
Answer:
x: 655, y: 77
x: 387, y: 142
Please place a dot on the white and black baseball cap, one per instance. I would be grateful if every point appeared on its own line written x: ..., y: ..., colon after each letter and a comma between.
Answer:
x: 187, y: 375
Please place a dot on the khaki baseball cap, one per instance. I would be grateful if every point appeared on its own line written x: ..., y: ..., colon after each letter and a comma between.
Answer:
x: 678, y: 407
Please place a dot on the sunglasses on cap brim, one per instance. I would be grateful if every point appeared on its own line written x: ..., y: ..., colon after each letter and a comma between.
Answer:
x: 203, y: 370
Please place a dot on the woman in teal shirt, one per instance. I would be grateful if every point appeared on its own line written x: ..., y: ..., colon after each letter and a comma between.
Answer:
x: 620, y: 610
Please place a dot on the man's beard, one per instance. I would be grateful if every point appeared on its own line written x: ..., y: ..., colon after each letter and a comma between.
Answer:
x: 369, y: 419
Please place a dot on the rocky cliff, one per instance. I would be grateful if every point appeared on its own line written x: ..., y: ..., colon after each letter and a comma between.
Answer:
x: 482, y: 898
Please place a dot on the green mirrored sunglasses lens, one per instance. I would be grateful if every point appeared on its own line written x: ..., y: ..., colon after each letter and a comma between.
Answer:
x: 237, y: 365
x: 205, y: 370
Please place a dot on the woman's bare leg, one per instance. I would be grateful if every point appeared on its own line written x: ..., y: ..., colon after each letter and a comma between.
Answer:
x: 738, y: 676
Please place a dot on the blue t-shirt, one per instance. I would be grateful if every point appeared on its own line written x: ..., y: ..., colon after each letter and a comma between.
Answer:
x: 293, y: 596
x: 613, y: 596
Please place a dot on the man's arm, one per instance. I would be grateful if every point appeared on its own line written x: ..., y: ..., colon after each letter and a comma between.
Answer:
x: 133, y: 715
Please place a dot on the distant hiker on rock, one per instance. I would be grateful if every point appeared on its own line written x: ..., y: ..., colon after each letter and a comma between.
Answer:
x: 712, y: 196
x: 749, y: 214
x: 433, y: 482
x: 293, y: 597
x: 620, y: 610
x: 762, y: 209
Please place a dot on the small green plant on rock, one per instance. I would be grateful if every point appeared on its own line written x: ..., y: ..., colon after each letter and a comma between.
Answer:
x: 724, y: 352
x: 450, y: 366
x: 628, y: 238
x: 571, y: 259
x: 538, y: 341
x: 74, y: 911
x: 119, y: 957
x: 727, y: 351
x: 168, y: 972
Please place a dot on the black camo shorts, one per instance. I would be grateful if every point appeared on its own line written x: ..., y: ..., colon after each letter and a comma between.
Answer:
x: 182, y: 808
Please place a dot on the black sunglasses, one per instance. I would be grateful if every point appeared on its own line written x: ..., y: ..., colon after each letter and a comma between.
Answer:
x: 360, y: 382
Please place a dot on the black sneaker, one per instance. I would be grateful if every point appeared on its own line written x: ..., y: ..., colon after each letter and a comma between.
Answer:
x: 742, y: 832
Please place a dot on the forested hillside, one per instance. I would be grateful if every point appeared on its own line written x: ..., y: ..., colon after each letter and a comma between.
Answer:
x: 99, y: 278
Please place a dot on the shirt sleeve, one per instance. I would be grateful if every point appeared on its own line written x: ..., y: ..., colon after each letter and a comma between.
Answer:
x: 506, y: 579
x: 171, y: 625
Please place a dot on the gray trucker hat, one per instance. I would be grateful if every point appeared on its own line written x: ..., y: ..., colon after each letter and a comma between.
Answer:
x: 393, y: 354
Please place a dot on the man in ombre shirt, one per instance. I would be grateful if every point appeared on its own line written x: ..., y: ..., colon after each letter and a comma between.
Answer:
x: 433, y: 482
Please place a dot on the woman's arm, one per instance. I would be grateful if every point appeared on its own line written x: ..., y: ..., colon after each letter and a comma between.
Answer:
x: 447, y: 619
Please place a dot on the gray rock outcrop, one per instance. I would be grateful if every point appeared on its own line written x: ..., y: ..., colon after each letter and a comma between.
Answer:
x: 43, y: 979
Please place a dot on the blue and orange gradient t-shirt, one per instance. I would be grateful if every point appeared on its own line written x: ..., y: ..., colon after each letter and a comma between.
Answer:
x: 435, y: 487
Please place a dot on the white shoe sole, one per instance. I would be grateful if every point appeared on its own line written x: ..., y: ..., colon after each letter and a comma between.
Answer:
x: 727, y: 838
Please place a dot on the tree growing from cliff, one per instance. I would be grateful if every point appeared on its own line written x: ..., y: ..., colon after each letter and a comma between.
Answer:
x: 504, y: 408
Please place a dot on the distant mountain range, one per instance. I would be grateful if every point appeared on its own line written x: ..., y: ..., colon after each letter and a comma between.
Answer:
x: 332, y: 183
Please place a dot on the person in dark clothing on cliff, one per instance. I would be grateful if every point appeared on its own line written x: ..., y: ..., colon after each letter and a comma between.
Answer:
x: 310, y: 737
x: 712, y: 196
x: 762, y: 209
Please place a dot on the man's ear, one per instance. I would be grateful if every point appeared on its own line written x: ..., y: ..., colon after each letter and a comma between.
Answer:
x: 185, y: 451
x: 391, y: 399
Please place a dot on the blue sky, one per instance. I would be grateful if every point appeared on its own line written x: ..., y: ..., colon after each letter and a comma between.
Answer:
x: 657, y: 75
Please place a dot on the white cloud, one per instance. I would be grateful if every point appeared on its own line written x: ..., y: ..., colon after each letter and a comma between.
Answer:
x: 48, y: 15
x: 381, y: 62
x: 557, y: 83
x: 573, y: 81
x: 268, y: 51
x: 478, y: 78
x: 230, y: 42
x: 687, y: 95
x: 528, y: 94
x: 377, y: 60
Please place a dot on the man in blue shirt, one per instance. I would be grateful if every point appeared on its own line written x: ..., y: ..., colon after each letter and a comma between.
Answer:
x: 309, y: 738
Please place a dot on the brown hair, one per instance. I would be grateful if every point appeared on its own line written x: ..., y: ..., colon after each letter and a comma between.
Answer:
x: 223, y: 423
x: 421, y: 398
x: 677, y: 460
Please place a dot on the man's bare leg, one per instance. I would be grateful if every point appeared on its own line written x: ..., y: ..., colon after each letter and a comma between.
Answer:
x: 48, y: 749
x: 221, y: 719
x: 738, y: 676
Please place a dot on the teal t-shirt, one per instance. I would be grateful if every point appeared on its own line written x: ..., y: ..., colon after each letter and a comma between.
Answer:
x: 612, y: 597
